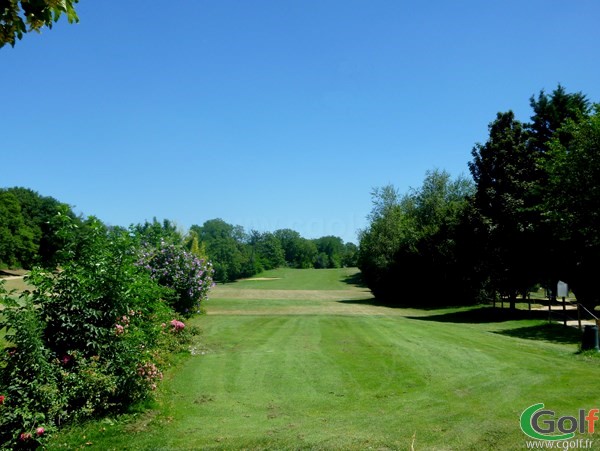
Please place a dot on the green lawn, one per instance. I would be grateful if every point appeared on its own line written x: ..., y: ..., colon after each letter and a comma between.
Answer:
x: 306, y: 279
x: 314, y: 371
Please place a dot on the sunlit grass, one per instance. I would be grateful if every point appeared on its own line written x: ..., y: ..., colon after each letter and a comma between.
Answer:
x: 324, y: 373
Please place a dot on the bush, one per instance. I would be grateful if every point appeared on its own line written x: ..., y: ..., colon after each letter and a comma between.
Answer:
x: 90, y: 338
x: 187, y: 277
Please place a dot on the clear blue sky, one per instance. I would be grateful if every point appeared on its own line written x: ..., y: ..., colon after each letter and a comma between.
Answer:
x: 274, y: 113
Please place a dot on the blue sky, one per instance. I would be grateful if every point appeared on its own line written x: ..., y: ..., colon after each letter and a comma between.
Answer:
x: 274, y: 113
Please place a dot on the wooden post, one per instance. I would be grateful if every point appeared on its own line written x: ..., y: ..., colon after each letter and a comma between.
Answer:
x: 564, y: 311
x: 578, y: 316
x: 549, y: 310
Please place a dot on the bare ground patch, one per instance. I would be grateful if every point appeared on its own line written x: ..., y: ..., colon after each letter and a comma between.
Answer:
x: 299, y: 295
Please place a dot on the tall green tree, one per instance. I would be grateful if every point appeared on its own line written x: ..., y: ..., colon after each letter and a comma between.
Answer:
x: 550, y: 114
x: 504, y: 170
x: 39, y: 213
x: 572, y: 206
x: 330, y: 252
x: 17, y: 239
x: 267, y: 250
x: 412, y: 243
x: 225, y: 247
x: 299, y: 252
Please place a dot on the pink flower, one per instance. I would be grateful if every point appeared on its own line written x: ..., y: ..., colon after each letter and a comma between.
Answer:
x: 2, y: 398
x: 177, y: 325
x: 40, y: 431
x: 119, y: 330
x: 66, y: 359
x: 24, y: 436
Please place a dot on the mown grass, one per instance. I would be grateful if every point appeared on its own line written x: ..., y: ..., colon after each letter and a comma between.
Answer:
x: 326, y: 373
x: 306, y: 279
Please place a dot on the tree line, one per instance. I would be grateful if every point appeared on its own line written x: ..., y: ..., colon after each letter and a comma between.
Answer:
x: 29, y: 228
x: 236, y: 253
x: 528, y: 216
x: 29, y: 225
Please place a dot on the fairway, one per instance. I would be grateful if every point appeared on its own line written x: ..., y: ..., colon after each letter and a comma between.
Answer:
x: 307, y: 360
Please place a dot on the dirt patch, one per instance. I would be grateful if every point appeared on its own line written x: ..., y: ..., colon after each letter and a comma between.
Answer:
x: 13, y: 272
x: 11, y: 277
x: 300, y: 295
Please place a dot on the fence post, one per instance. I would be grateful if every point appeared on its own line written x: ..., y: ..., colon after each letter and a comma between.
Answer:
x: 579, y: 316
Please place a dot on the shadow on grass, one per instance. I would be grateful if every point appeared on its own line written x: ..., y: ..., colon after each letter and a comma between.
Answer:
x: 355, y: 280
x: 555, y: 333
x: 478, y: 315
x: 367, y: 301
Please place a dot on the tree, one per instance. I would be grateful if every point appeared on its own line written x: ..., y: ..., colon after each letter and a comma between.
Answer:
x: 388, y: 230
x: 299, y: 252
x: 267, y: 250
x: 413, y: 242
x: 225, y: 249
x: 550, y: 113
x: 155, y: 232
x: 504, y: 171
x: 305, y: 254
x: 330, y: 252
x: 572, y: 205
x: 18, y: 17
x: 39, y: 213
x: 17, y: 243
x: 349, y: 259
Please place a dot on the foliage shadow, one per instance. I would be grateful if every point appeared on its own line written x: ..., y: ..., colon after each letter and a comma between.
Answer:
x: 480, y: 315
x: 555, y: 333
x: 355, y: 280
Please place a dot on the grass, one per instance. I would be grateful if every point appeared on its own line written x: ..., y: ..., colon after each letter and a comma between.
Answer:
x: 315, y: 370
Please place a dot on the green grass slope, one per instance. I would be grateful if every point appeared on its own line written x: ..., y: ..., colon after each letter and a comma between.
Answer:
x: 327, y: 373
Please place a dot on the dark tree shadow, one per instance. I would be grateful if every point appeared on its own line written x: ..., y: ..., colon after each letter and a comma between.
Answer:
x: 355, y: 280
x: 367, y: 301
x: 480, y: 315
x: 555, y: 333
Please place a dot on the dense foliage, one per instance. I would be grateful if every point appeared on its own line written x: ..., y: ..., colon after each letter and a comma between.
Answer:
x: 529, y: 217
x: 91, y: 338
x: 414, y: 243
x: 236, y: 254
x: 187, y: 277
x: 18, y: 17
x: 28, y: 228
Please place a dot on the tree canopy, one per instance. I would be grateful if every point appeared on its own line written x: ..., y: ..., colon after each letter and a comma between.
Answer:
x: 530, y: 217
x: 18, y: 17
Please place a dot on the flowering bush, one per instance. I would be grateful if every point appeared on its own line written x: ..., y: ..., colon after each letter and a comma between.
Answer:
x: 150, y: 374
x: 84, y: 342
x: 177, y: 325
x: 186, y: 276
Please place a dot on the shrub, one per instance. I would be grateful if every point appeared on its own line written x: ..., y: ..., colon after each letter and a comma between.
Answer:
x: 88, y: 339
x: 187, y: 277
